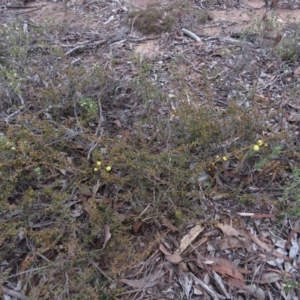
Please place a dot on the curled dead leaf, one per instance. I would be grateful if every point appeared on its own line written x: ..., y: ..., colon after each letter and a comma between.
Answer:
x: 163, y: 249
x: 174, y: 258
x: 229, y: 242
x: 226, y: 267
x: 165, y: 222
x: 145, y: 282
x: 188, y: 239
x: 118, y: 123
x: 229, y: 230
x: 107, y: 235
x: 136, y: 226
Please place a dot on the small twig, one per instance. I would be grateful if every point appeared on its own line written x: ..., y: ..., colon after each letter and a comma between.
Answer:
x: 74, y: 49
x: 76, y: 116
x: 194, y: 68
x: 191, y: 34
x: 102, y: 272
x: 7, y: 118
x: 144, y: 39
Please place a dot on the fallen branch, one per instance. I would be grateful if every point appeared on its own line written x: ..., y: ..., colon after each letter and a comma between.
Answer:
x: 191, y: 34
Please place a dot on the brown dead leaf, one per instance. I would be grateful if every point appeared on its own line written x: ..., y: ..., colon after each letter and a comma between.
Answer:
x: 106, y: 201
x: 237, y: 283
x: 214, y: 232
x: 289, y: 239
x: 229, y: 242
x: 119, y: 204
x: 255, y: 291
x: 174, y: 258
x: 107, y: 235
x: 118, y: 123
x: 125, y: 135
x: 279, y: 126
x: 294, y: 117
x: 197, y: 290
x: 261, y: 98
x: 163, y: 249
x: 136, y: 226
x: 245, y: 271
x: 297, y: 229
x: 85, y: 203
x: 266, y: 240
x: 225, y: 267
x: 262, y: 216
x: 72, y: 245
x: 225, y: 164
x: 229, y: 230
x: 270, y: 277
x: 29, y: 258
x: 165, y: 222
x: 188, y: 239
x: 182, y: 266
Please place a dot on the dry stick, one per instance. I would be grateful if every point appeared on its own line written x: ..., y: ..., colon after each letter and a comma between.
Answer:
x: 100, y: 111
x: 102, y: 272
x: 191, y: 34
x: 28, y: 11
x: 133, y: 21
x: 13, y: 293
x: 27, y: 271
x: 20, y: 7
x: 83, y: 45
x: 94, y: 145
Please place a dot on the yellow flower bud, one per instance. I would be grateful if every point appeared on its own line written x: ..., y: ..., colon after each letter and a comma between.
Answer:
x: 98, y: 163
x: 265, y: 144
x: 224, y: 158
x: 108, y: 168
x: 255, y: 147
x: 95, y: 169
x: 260, y: 143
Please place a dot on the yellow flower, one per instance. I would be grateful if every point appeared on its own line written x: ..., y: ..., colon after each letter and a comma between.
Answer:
x: 108, y: 168
x: 255, y: 147
x: 98, y: 163
x: 217, y: 156
x: 265, y: 144
x: 260, y: 143
x: 224, y: 158
x: 95, y: 169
